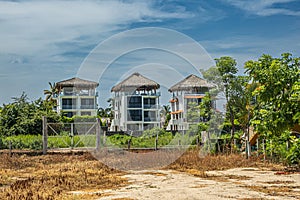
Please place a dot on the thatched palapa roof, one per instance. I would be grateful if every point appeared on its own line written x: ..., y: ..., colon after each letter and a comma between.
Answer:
x: 192, y: 82
x: 77, y: 82
x: 136, y: 82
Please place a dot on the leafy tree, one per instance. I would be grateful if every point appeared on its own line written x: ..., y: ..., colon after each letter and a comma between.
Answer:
x: 24, y: 117
x: 224, y: 76
x: 277, y: 92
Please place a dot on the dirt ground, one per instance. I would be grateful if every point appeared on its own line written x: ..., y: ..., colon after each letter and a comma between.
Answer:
x: 238, y: 183
x: 68, y: 176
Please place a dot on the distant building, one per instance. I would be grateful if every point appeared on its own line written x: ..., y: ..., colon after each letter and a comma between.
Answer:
x: 135, y: 104
x: 77, y: 97
x: 187, y: 94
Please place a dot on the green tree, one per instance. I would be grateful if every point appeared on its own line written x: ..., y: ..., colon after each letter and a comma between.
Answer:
x: 24, y: 117
x: 277, y: 92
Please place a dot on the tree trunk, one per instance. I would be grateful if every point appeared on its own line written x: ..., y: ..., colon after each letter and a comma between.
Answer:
x: 232, y: 129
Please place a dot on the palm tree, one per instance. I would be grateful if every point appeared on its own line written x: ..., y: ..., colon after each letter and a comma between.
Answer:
x: 165, y: 114
x: 52, y: 93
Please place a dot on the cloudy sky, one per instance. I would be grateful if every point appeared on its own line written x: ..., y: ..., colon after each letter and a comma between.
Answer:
x: 47, y: 41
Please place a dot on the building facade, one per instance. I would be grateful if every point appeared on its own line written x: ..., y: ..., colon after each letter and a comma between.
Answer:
x: 77, y: 97
x: 135, y: 104
x: 187, y: 95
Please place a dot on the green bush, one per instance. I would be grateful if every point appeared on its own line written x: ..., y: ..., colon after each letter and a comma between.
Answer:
x: 293, y: 155
x: 33, y: 142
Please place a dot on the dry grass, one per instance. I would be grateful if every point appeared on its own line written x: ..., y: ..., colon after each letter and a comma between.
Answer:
x: 192, y: 160
x: 274, y: 190
x: 155, y: 173
x: 54, y: 176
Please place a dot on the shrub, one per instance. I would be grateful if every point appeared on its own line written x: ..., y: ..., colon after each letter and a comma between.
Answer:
x: 33, y: 142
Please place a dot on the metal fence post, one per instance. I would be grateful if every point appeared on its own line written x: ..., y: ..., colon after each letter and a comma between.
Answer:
x: 98, y: 128
x: 72, y: 135
x: 10, y: 148
x: 45, y: 135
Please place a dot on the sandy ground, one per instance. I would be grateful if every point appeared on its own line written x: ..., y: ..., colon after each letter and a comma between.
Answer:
x: 240, y: 183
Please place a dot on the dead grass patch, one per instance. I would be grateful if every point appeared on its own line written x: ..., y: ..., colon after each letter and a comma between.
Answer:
x: 238, y: 177
x: 154, y: 173
x: 192, y: 160
x: 199, y: 186
x: 53, y: 176
x: 279, y: 182
x: 274, y: 190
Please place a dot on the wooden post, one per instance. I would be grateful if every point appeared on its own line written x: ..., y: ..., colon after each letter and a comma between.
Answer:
x: 156, y: 143
x: 45, y: 135
x: 257, y: 147
x: 98, y: 134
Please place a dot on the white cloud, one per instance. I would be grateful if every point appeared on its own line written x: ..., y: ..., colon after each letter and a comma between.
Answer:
x: 29, y: 27
x: 47, y: 40
x: 264, y: 7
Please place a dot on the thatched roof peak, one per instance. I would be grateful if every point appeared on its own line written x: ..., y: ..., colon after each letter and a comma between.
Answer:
x: 191, y: 82
x: 77, y: 82
x: 135, y: 81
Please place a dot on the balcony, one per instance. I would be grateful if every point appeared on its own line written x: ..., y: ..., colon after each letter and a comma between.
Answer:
x: 69, y: 107
x: 149, y: 106
x: 87, y: 107
x: 150, y: 119
x: 135, y: 105
x: 79, y: 93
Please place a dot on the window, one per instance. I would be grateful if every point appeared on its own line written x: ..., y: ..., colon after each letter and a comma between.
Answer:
x: 69, y: 103
x: 149, y: 116
x: 87, y: 104
x: 134, y: 115
x: 134, y: 102
x: 149, y: 103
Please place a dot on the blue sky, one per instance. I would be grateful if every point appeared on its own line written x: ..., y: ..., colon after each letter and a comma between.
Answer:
x: 47, y: 41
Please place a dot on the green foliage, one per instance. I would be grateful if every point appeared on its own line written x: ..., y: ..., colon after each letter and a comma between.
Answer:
x: 33, y: 142
x: 65, y: 141
x: 293, y: 155
x: 277, y: 93
x: 24, y: 117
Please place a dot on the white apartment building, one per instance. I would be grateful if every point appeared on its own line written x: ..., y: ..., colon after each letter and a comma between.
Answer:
x: 77, y: 97
x: 187, y: 94
x: 135, y: 104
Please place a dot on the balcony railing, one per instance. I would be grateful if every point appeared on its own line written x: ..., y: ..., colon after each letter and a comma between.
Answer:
x: 149, y: 106
x: 78, y: 93
x: 69, y: 107
x: 150, y: 119
x: 88, y: 107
